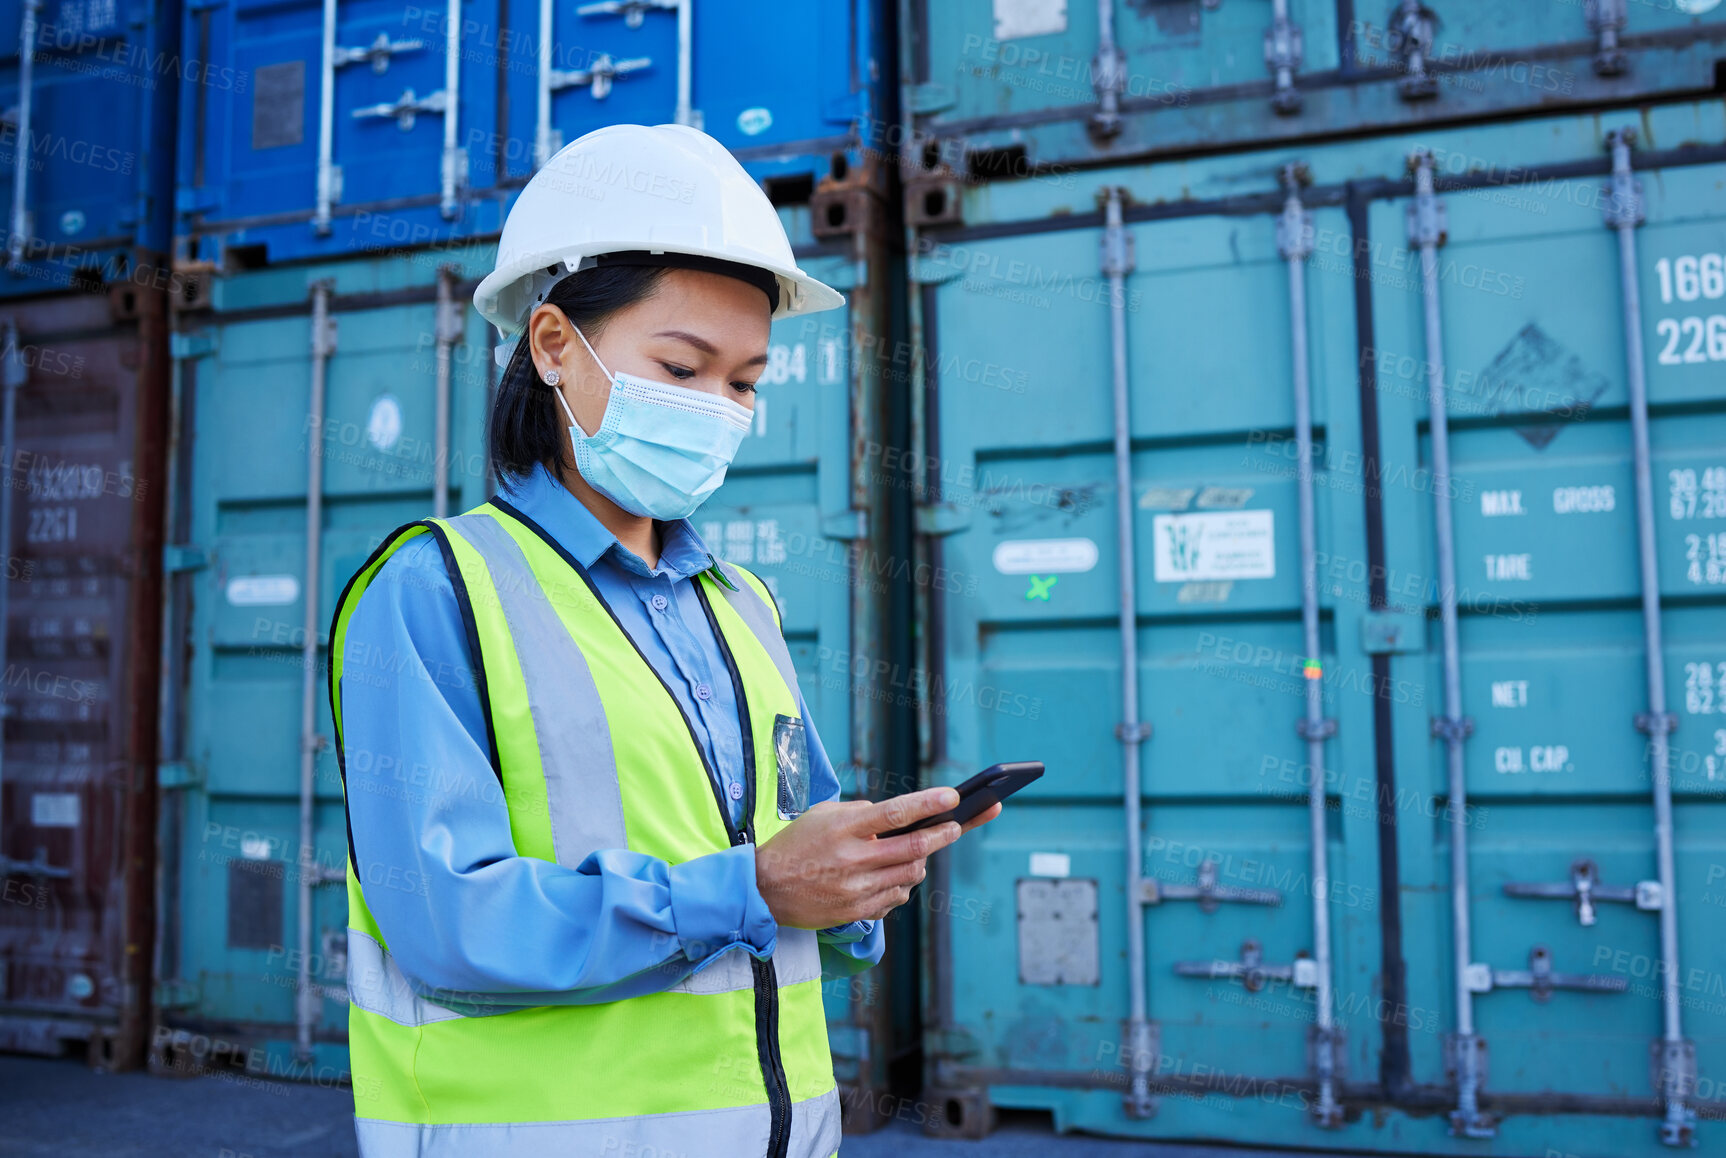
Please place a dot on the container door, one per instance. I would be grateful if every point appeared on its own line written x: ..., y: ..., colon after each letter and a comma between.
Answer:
x: 76, y: 831
x: 232, y: 954
x: 1032, y: 989
x: 253, y: 127
x: 757, y: 76
x: 1563, y: 886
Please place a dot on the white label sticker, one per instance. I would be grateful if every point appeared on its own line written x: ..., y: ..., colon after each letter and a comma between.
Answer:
x: 1223, y: 498
x: 1045, y: 556
x: 1015, y: 18
x: 1051, y: 864
x: 54, y: 809
x: 753, y: 122
x: 263, y: 590
x: 1236, y: 545
x: 384, y: 426
x: 1167, y: 498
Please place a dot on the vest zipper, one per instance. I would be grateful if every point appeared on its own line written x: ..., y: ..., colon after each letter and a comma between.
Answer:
x: 762, y: 972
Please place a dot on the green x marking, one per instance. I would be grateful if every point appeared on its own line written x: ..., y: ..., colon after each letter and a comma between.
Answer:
x: 1040, y: 587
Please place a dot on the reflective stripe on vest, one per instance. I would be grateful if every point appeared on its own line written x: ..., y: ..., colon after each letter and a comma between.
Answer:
x: 594, y: 752
x: 701, y: 1134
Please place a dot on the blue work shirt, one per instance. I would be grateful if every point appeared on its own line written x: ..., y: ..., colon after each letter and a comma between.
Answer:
x: 460, y: 911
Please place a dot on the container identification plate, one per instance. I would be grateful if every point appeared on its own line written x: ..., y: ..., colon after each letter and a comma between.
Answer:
x: 1214, y: 545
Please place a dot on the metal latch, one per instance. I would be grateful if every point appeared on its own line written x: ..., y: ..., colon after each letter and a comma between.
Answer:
x: 1585, y: 888
x: 597, y: 76
x: 1540, y: 978
x: 406, y: 107
x: 378, y: 52
x: 1207, y: 892
x: 632, y: 11
x: 1251, y: 969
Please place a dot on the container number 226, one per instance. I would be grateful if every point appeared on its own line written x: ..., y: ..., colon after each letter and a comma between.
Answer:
x: 1696, y: 338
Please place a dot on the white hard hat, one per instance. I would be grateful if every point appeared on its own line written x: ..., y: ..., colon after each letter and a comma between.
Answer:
x: 658, y: 189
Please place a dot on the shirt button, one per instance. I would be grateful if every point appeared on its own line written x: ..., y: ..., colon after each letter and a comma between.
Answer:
x: 736, y: 790
x: 658, y: 602
x: 703, y: 692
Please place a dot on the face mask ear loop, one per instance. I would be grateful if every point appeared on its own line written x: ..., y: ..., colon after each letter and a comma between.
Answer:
x: 559, y: 392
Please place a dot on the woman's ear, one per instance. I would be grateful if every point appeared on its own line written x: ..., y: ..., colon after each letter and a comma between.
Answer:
x: 549, y: 333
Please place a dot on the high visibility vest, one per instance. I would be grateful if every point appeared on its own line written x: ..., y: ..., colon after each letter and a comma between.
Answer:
x: 593, y: 752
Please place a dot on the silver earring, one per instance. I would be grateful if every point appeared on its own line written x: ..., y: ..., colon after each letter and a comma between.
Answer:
x: 552, y: 377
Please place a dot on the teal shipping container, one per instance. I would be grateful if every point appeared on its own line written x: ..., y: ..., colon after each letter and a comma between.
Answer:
x: 1002, y: 88
x: 1342, y: 524
x: 320, y: 406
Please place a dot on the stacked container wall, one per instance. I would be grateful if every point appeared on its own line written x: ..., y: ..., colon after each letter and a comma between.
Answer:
x: 1197, y: 596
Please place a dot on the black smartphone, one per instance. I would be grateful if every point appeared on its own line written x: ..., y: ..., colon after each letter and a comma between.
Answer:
x: 980, y: 792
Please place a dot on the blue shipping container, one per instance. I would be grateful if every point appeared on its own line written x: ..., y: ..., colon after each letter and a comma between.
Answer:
x: 272, y: 170
x: 88, y: 142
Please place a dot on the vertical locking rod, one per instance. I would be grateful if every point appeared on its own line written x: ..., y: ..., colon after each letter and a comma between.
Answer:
x: 1623, y: 215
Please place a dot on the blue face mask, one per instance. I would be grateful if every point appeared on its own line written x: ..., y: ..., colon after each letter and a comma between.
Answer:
x: 661, y: 449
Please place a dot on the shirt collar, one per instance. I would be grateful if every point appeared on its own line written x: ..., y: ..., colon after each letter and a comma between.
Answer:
x: 546, y: 501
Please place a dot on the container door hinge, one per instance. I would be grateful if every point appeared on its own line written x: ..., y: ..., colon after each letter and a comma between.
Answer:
x: 1540, y: 979
x: 1585, y: 889
x: 846, y: 525
x: 1207, y: 892
x: 184, y: 557
x: 1252, y: 971
x: 1465, y: 1065
x: 1389, y: 633
x: 175, y: 993
x: 1412, y: 27
x: 941, y: 518
x: 1607, y: 19
x: 197, y: 344
x: 174, y: 774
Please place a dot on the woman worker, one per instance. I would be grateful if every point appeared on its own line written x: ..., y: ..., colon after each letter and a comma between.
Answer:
x: 597, y: 867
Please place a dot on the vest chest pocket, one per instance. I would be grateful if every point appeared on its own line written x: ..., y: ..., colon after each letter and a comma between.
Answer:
x: 791, y: 748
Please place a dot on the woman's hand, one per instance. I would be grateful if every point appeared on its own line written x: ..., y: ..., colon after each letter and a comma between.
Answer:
x: 829, y: 867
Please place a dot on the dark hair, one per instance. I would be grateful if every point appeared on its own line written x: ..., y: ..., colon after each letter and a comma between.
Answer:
x: 528, y: 427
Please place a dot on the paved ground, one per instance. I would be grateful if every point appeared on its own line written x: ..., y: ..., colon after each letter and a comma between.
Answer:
x: 61, y: 1109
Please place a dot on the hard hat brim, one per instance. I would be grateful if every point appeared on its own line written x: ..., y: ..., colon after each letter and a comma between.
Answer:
x: 505, y: 296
